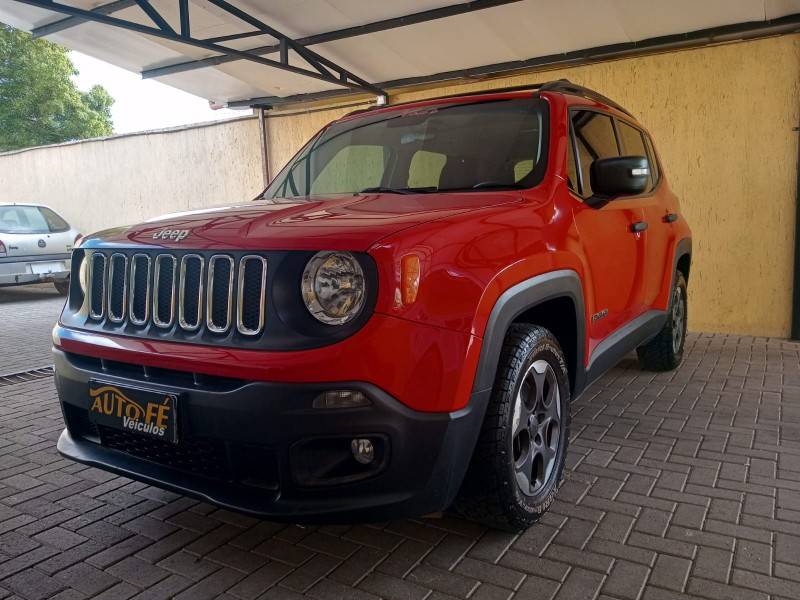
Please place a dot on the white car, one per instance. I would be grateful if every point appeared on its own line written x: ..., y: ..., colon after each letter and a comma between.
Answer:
x: 35, y: 246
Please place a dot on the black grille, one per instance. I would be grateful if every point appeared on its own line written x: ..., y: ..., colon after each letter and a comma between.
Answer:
x: 116, y: 289
x: 247, y: 464
x: 198, y: 456
x: 192, y: 289
x: 140, y: 288
x: 165, y: 289
x: 98, y: 288
x: 220, y: 293
x: 251, y: 309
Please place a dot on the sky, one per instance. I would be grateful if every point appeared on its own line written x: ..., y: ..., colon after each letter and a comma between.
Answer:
x: 144, y: 104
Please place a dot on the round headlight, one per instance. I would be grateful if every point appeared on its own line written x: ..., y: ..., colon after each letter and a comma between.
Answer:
x: 83, y: 274
x: 333, y: 287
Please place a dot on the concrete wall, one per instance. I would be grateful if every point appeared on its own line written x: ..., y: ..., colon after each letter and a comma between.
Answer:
x: 124, y: 179
x: 721, y: 117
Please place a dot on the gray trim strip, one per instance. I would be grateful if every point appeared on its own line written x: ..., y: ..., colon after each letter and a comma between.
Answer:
x: 623, y: 340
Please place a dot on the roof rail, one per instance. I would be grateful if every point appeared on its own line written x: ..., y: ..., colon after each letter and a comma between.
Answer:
x: 559, y: 85
x: 567, y: 87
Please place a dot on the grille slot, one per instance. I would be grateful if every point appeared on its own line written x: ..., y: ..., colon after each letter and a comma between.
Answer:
x: 190, y: 309
x: 164, y: 293
x: 97, y: 291
x: 117, y: 287
x: 251, y: 295
x: 141, y: 265
x: 220, y: 294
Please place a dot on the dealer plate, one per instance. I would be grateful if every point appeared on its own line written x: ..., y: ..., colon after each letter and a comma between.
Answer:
x: 135, y: 410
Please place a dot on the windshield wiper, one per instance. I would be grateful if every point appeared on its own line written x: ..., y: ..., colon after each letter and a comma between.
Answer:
x: 392, y: 190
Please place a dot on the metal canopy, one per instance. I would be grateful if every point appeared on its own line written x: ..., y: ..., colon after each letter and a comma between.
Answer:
x: 267, y: 52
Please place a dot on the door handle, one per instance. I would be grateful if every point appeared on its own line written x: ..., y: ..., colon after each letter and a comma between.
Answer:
x: 670, y: 217
x: 639, y: 226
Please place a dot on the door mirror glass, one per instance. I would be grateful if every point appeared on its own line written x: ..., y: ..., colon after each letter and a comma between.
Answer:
x: 619, y: 176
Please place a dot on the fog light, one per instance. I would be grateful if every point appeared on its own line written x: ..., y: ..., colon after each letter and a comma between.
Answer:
x: 362, y: 450
x: 341, y: 399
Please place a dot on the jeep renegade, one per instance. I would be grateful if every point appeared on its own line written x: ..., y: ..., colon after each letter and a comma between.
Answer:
x: 396, y: 326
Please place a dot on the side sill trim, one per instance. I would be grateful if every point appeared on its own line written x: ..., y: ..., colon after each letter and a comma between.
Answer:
x: 625, y: 339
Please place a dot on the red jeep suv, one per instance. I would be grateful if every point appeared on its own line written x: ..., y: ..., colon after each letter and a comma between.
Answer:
x: 396, y: 326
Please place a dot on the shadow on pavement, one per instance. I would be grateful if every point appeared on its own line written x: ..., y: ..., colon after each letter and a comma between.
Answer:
x: 28, y: 293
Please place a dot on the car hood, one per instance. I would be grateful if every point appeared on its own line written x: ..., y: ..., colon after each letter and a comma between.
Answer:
x: 351, y: 222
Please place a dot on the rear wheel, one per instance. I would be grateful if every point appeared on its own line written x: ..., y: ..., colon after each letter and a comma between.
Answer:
x: 518, y: 462
x: 665, y: 351
x: 62, y: 286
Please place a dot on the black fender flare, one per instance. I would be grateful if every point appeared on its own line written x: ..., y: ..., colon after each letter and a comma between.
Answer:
x: 682, y: 248
x: 513, y: 302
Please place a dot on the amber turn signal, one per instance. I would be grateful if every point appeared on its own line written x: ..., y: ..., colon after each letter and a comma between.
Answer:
x: 409, y: 278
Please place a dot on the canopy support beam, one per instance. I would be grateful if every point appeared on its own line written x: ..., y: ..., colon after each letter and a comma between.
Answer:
x: 332, y: 36
x: 62, y: 24
x: 324, y: 69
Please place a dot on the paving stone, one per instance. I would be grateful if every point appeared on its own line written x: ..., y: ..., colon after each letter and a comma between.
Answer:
x: 670, y: 572
x: 86, y: 578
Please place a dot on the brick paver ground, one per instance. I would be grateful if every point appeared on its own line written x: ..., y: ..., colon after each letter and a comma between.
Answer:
x: 685, y: 484
x: 27, y: 315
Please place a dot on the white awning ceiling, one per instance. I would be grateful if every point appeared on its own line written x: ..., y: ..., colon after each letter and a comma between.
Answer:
x: 506, y: 32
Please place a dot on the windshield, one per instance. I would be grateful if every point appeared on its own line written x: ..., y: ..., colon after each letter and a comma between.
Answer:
x: 30, y: 219
x: 446, y: 147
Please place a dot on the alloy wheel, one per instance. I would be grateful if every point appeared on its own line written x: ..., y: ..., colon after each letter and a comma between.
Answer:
x: 536, y: 428
x: 678, y: 319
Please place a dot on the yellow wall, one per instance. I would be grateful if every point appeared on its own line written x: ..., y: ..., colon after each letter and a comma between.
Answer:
x: 722, y: 120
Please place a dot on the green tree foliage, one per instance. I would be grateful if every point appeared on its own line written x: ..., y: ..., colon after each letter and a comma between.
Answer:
x: 39, y: 102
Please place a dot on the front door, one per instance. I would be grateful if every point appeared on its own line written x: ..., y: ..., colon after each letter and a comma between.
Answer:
x: 613, y: 244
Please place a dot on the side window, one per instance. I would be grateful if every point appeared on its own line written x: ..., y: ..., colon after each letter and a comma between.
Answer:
x: 633, y: 145
x: 655, y: 172
x: 594, y: 138
x: 55, y: 223
x: 425, y: 169
x: 352, y: 168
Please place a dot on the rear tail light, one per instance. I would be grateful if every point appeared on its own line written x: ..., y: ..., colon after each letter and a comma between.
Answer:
x: 3, y: 251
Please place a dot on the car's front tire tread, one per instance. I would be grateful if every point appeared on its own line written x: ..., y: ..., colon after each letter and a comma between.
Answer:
x: 487, y: 495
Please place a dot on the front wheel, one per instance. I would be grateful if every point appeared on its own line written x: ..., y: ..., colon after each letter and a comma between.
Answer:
x: 665, y: 351
x: 517, y: 465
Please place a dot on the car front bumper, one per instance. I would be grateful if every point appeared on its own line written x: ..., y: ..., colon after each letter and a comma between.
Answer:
x: 252, y: 443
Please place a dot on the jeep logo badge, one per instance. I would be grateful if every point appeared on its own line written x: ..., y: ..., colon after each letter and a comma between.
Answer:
x: 176, y: 235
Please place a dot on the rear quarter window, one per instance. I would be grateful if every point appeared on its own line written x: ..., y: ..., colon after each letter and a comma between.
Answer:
x: 633, y: 144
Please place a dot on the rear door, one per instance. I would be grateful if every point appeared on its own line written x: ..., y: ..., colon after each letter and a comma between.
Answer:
x: 614, y: 251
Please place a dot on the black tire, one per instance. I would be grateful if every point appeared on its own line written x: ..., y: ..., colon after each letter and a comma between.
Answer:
x: 493, y: 492
x: 665, y: 351
x: 62, y: 287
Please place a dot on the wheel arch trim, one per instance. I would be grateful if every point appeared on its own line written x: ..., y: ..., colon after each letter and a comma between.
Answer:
x: 523, y: 296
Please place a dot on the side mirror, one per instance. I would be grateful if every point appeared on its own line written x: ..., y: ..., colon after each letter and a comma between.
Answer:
x: 618, y: 176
